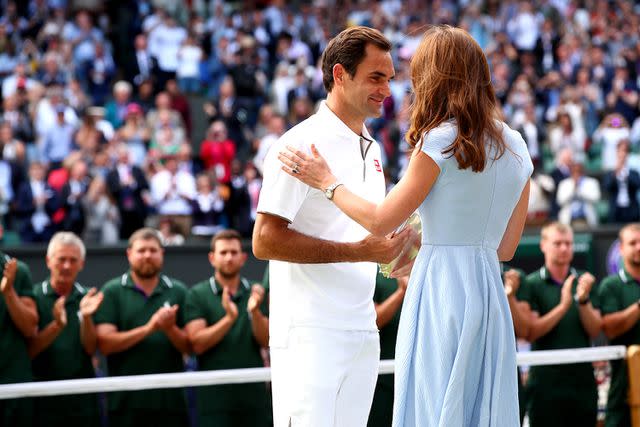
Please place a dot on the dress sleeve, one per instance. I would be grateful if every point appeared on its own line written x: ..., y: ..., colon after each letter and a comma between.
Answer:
x: 435, y: 142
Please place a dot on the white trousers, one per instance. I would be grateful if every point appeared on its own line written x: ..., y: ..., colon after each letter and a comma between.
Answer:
x: 324, y: 378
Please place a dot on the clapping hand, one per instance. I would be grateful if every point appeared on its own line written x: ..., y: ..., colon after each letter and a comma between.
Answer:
x: 90, y: 302
x: 229, y: 306
x: 8, y: 275
x: 511, y: 282
x: 60, y: 312
x: 256, y: 298
x: 585, y: 283
x: 566, y: 297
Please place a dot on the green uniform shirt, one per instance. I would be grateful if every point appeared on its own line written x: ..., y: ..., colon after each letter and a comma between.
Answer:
x: 543, y: 294
x: 238, y: 349
x: 618, y: 292
x: 15, y: 365
x: 65, y: 358
x: 127, y: 307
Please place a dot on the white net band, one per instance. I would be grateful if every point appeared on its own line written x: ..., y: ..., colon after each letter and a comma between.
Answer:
x: 252, y: 375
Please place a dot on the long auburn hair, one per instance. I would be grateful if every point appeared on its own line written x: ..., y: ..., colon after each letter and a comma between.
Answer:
x: 451, y: 80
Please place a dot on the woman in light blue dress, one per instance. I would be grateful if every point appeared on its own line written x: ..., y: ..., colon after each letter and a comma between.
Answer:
x: 469, y: 179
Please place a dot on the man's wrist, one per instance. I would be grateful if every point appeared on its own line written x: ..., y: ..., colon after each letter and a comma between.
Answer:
x: 583, y: 301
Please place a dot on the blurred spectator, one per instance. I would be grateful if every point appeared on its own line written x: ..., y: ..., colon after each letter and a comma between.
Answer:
x: 88, y: 138
x: 239, y: 205
x: 526, y: 122
x: 47, y: 112
x: 275, y: 129
x: 611, y: 131
x: 188, y: 71
x: 6, y: 187
x: 13, y: 150
x: 172, y: 191
x: 622, y: 184
x: 217, y: 151
x: 102, y: 216
x: 142, y: 314
x: 18, y: 323
x: 227, y: 324
x: 145, y: 96
x: 577, y: 196
x: 164, y: 43
x: 36, y: 202
x: 66, y: 339
x: 163, y: 107
x: 100, y: 72
x: 179, y: 103
x: 19, y: 80
x: 208, y: 208
x: 82, y: 35
x: 57, y: 142
x: 72, y: 198
x: 128, y: 186
x: 19, y: 120
x: 135, y: 133
x: 623, y: 97
x: 566, y: 135
x: 116, y: 109
x: 541, y: 190
x: 145, y: 65
x: 170, y: 233
x: 50, y: 72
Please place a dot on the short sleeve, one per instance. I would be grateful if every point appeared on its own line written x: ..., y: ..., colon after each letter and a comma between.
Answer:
x: 594, y: 295
x: 108, y: 310
x: 181, y: 296
x: 608, y: 297
x: 436, y: 141
x: 192, y: 307
x: 23, y: 283
x: 281, y: 194
x: 527, y: 293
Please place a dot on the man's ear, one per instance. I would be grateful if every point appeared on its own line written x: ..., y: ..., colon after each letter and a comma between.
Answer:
x: 338, y: 74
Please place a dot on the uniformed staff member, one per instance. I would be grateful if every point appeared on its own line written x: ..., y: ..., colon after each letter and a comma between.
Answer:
x: 388, y: 297
x: 521, y: 315
x: 565, y: 315
x: 66, y: 338
x: 18, y: 320
x: 620, y: 304
x: 227, y: 325
x: 139, y: 326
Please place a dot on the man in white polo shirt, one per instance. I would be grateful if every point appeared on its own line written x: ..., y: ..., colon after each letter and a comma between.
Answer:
x: 323, y: 336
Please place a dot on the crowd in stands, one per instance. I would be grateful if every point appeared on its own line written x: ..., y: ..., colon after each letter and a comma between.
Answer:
x: 97, y: 115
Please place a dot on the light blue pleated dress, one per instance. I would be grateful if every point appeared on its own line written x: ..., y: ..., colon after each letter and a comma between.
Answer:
x: 456, y: 350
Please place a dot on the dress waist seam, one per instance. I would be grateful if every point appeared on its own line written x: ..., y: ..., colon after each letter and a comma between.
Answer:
x: 476, y: 245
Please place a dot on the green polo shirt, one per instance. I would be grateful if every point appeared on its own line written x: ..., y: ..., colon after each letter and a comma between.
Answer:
x: 65, y: 358
x: 618, y: 292
x: 543, y: 294
x: 15, y: 365
x: 237, y: 350
x: 127, y: 307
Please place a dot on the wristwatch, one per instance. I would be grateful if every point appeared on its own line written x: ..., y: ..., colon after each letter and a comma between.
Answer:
x: 330, y: 190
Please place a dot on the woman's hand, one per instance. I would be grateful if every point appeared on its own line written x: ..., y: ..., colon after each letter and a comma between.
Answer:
x: 313, y: 171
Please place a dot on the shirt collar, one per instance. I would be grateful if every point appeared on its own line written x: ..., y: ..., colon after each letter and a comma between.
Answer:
x: 77, y: 290
x: 546, y: 275
x: 164, y: 283
x: 216, y: 289
x: 626, y: 277
x: 339, y: 127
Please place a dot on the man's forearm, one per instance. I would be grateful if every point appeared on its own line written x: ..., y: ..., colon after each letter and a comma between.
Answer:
x: 542, y: 325
x: 616, y: 324
x: 115, y: 342
x: 179, y: 339
x: 591, y: 319
x: 88, y: 336
x: 43, y: 339
x: 291, y: 246
x: 210, y: 336
x: 260, y: 328
x: 24, y: 316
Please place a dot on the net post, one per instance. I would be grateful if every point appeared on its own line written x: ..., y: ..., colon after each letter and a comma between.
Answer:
x: 633, y: 372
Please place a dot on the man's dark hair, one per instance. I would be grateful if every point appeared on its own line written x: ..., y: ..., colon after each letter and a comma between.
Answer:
x: 349, y: 49
x: 225, y: 235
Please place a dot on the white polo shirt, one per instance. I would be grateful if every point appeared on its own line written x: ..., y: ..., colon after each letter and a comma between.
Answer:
x: 340, y: 295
